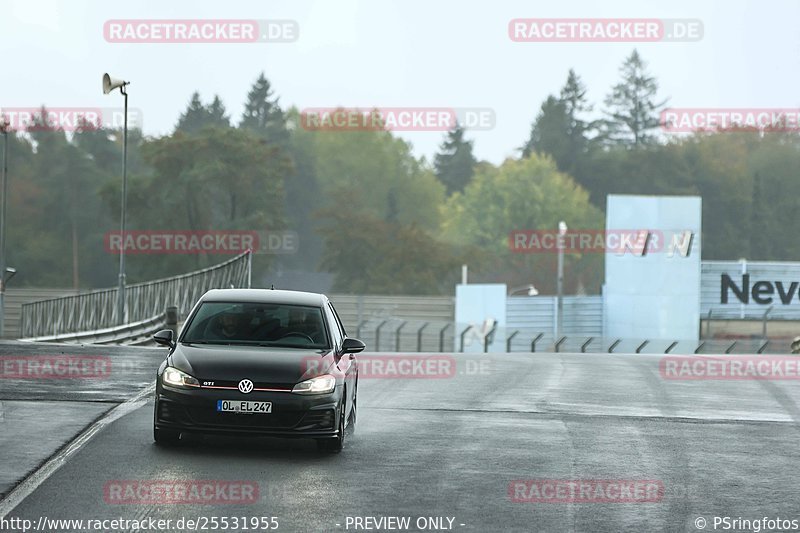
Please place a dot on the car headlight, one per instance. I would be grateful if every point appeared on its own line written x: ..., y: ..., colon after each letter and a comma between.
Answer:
x: 317, y: 385
x: 176, y: 378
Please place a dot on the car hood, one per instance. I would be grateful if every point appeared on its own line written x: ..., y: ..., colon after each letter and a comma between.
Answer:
x: 262, y: 365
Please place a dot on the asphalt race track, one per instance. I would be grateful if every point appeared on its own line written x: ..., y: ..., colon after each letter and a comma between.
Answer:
x: 451, y: 446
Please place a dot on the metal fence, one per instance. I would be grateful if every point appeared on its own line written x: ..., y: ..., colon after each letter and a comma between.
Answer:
x: 530, y: 327
x: 583, y: 315
x: 398, y: 323
x: 517, y: 341
x: 392, y: 334
x: 136, y: 333
x: 97, y: 309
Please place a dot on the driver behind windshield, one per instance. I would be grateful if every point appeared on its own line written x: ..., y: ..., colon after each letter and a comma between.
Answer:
x: 305, y: 324
x: 291, y: 325
x: 228, y: 325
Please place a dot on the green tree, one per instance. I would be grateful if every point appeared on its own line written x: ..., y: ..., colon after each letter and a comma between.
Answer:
x: 772, y: 166
x: 198, y: 116
x: 304, y: 198
x: 716, y: 167
x: 549, y: 132
x: 216, y: 179
x: 455, y: 164
x: 372, y: 167
x: 759, y: 246
x: 652, y: 169
x: 217, y: 113
x: 346, y: 178
x: 71, y: 219
x: 382, y: 257
x: 526, y: 194
x: 99, y: 145
x: 561, y: 131
x: 631, y: 106
x: 104, y: 147
x: 582, y: 135
x: 263, y: 114
x: 222, y: 177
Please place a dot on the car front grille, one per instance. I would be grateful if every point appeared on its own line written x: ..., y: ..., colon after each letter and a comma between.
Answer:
x: 280, y: 418
x: 207, y: 416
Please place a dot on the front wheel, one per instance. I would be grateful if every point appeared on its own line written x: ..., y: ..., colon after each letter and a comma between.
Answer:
x: 353, y: 412
x: 166, y: 436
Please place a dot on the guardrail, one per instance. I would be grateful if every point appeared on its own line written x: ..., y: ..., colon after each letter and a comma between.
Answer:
x: 575, y: 343
x: 395, y: 334
x: 96, y: 310
x: 136, y: 334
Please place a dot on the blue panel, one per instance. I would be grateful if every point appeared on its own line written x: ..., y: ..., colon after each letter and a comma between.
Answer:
x: 474, y: 304
x: 655, y: 295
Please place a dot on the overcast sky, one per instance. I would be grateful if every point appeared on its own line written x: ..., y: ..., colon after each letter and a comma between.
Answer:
x: 365, y: 53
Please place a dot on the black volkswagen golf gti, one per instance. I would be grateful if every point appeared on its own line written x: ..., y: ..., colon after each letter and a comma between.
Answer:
x: 259, y: 362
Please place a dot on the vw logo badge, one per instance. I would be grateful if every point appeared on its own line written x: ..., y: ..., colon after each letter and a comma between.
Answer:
x: 245, y: 386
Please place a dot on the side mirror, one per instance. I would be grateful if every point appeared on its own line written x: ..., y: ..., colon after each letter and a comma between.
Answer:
x: 164, y: 338
x: 352, y: 346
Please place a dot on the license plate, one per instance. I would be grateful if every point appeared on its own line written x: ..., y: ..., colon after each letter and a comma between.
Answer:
x: 239, y: 406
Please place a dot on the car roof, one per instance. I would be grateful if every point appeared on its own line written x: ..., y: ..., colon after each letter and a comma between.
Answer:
x: 265, y: 296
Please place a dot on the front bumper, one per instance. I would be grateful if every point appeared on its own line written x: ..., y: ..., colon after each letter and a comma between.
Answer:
x: 293, y: 415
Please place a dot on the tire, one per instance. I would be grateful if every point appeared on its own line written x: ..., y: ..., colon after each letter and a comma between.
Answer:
x: 334, y: 445
x: 166, y: 436
x: 352, y: 424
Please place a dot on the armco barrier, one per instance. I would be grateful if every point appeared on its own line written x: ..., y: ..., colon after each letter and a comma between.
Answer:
x: 96, y: 310
x: 136, y: 334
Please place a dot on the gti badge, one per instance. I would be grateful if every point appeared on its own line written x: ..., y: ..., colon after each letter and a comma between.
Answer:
x: 245, y: 386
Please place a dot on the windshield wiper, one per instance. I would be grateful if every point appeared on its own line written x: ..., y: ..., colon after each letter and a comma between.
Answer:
x: 226, y: 343
x: 286, y: 345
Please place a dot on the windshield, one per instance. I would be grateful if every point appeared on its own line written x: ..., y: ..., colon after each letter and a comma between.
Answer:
x: 285, y: 325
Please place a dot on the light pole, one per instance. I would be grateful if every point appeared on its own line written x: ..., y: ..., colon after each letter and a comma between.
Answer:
x: 562, y: 230
x: 109, y: 84
x: 4, y: 127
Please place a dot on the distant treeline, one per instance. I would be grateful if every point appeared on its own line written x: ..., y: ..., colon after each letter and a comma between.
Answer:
x: 380, y: 219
